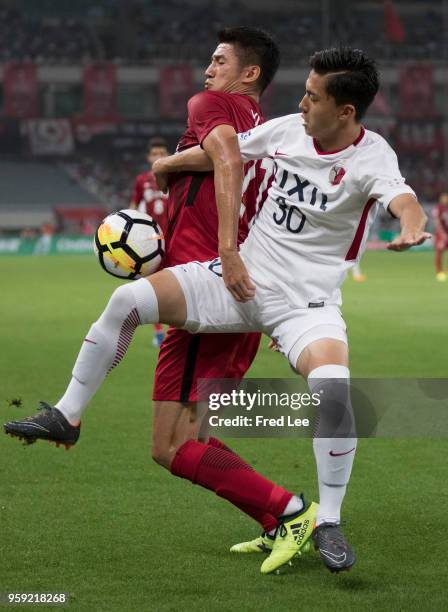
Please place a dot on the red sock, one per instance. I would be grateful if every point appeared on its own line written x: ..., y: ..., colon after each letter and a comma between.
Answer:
x: 266, y: 520
x: 220, y: 444
x: 229, y: 477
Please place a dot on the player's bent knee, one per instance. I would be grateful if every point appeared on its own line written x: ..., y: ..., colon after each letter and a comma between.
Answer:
x: 136, y: 298
x: 324, y: 351
x: 121, y: 301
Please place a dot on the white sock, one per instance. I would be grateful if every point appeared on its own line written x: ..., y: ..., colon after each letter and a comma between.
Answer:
x: 106, y: 343
x: 295, y: 504
x: 333, y: 474
x: 334, y: 456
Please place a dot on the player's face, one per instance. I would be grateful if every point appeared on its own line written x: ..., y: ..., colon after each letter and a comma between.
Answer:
x: 156, y: 153
x: 224, y: 72
x: 444, y: 199
x: 321, y: 115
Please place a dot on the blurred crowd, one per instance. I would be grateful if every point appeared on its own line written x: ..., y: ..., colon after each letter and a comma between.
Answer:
x: 300, y: 33
x: 159, y: 30
x: 110, y: 181
x: 425, y: 173
x: 162, y: 33
x: 51, y: 40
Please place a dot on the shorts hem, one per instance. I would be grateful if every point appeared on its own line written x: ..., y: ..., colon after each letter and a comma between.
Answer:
x: 190, y: 325
x: 319, y: 332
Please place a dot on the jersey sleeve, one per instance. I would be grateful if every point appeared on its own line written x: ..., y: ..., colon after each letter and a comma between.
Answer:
x: 382, y: 179
x: 137, y: 194
x: 263, y: 140
x: 207, y: 110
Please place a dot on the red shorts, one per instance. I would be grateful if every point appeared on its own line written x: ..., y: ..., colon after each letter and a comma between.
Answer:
x: 185, y: 357
x: 440, y: 242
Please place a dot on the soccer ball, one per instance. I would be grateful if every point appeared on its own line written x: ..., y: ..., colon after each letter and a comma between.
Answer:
x: 129, y: 244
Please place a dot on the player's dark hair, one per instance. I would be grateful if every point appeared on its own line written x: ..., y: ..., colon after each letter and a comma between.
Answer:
x: 357, y: 82
x: 254, y: 47
x: 157, y: 141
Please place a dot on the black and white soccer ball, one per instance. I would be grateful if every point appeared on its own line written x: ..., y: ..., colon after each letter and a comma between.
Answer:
x: 129, y: 244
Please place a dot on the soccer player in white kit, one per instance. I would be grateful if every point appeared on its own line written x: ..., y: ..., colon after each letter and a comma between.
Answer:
x: 330, y: 177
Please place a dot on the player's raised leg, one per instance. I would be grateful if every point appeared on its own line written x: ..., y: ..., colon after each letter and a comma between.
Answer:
x: 158, y: 298
x: 325, y: 365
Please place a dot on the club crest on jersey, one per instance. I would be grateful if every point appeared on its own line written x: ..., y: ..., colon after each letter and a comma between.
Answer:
x: 337, y: 174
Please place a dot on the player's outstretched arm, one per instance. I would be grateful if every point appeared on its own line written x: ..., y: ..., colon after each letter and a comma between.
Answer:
x: 190, y: 160
x: 412, y: 222
x: 221, y: 144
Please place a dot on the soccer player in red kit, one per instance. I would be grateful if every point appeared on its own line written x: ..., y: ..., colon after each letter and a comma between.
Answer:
x: 441, y: 234
x: 148, y: 198
x: 242, y: 66
x: 192, y: 234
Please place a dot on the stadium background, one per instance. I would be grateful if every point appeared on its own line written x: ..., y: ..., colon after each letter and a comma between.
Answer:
x: 83, y: 87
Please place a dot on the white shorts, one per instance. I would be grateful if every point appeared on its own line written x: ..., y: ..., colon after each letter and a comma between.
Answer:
x: 212, y: 309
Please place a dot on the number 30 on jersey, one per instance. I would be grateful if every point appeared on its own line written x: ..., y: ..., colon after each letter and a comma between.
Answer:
x: 293, y: 218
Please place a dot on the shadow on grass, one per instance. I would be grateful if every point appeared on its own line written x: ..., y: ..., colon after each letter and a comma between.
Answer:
x: 357, y: 583
x: 313, y: 570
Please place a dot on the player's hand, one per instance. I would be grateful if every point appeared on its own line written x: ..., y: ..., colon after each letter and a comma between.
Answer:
x: 161, y: 175
x: 235, y: 276
x: 408, y: 239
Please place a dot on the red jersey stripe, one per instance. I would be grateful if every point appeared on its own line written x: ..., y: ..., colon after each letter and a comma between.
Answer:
x: 354, y: 248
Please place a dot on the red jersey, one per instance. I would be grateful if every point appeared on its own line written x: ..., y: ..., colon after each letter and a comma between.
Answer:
x: 192, y: 233
x: 150, y: 200
x: 440, y: 213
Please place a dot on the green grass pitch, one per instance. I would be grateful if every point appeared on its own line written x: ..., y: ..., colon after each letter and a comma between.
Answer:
x: 118, y: 533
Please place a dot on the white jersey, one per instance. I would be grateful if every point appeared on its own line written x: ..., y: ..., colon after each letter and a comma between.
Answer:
x: 314, y: 224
